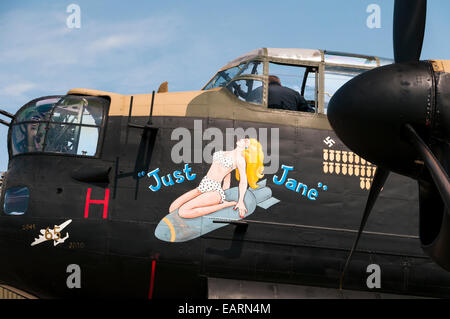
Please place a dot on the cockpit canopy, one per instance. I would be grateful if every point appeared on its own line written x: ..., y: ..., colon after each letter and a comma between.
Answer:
x: 68, y: 124
x: 314, y: 74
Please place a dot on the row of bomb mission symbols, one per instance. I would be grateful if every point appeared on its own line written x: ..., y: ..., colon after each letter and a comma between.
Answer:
x: 349, y: 164
x: 350, y: 169
x: 344, y: 156
x: 345, y: 162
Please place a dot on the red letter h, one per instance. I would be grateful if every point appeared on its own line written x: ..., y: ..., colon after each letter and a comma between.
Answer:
x: 102, y: 202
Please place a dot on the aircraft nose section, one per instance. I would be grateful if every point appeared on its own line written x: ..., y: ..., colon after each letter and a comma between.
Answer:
x: 369, y: 112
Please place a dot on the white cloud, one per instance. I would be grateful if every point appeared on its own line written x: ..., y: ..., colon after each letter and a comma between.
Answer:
x: 43, y: 39
x: 17, y: 89
x: 112, y: 42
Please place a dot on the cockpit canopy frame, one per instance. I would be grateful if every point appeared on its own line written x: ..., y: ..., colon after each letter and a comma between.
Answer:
x: 321, y: 62
x: 70, y: 125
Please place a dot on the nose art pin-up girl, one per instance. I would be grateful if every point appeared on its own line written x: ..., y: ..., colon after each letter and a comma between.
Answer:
x: 247, y: 159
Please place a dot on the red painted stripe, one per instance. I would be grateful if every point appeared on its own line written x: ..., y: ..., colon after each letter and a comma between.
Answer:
x: 152, y: 280
x: 86, y: 207
x: 106, y: 202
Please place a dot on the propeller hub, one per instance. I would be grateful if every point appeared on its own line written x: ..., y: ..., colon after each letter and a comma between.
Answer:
x: 370, y: 111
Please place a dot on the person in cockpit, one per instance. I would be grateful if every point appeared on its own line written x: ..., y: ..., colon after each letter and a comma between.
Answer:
x: 281, y: 97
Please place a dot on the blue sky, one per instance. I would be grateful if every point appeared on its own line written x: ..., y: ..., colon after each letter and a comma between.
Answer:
x: 131, y: 47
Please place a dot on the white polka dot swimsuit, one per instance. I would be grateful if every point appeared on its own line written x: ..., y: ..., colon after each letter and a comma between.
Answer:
x: 209, y: 185
x: 226, y: 161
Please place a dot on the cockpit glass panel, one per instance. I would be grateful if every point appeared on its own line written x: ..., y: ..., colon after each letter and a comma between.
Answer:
x: 69, y: 110
x: 253, y: 67
x: 92, y: 113
x: 27, y: 137
x: 69, y: 125
x: 310, y: 87
x: 247, y: 90
x: 72, y: 139
x: 87, y: 145
x: 212, y: 82
x: 62, y: 138
x: 37, y: 111
x: 342, y: 58
x: 290, y: 76
x: 225, y: 76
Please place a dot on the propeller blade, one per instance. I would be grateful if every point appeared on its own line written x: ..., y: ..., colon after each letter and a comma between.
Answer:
x: 409, y: 28
x: 377, y: 184
x: 437, y: 172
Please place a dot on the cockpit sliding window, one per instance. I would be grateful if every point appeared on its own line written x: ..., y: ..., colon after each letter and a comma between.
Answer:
x: 224, y: 77
x: 59, y: 124
x: 303, y: 79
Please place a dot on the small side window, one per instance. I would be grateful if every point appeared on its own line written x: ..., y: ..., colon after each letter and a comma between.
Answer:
x: 16, y: 201
x: 247, y: 90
